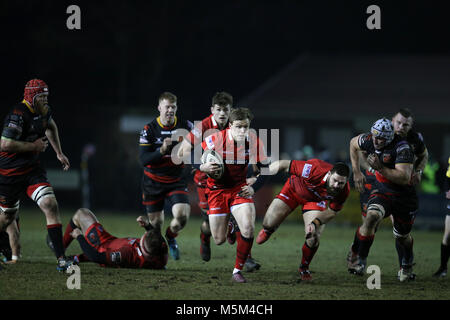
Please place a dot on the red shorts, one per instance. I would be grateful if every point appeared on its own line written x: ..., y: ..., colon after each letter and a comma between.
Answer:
x: 97, y: 236
x: 202, y: 198
x: 220, y: 201
x: 288, y: 196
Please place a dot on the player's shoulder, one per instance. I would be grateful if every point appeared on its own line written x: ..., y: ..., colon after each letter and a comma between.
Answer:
x: 414, y: 137
x: 364, y: 138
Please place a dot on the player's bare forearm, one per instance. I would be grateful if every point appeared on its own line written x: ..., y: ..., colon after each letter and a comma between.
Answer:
x: 354, y: 155
x: 53, y: 136
x: 421, y: 161
x: 279, y: 165
x: 15, y: 146
x: 401, y: 174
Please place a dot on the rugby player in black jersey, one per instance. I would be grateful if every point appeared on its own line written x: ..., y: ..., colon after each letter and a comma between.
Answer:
x: 27, y: 130
x: 163, y: 180
x: 391, y: 160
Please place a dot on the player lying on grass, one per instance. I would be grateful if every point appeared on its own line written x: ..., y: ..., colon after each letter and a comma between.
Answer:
x: 149, y: 252
x: 320, y: 188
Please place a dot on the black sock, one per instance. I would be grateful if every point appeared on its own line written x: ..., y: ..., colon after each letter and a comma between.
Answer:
x: 445, y: 253
x: 400, y: 251
x: 56, y: 237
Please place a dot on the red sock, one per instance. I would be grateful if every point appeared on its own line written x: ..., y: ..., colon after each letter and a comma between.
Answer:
x: 244, y: 246
x: 67, y: 238
x: 307, y: 255
x: 170, y: 234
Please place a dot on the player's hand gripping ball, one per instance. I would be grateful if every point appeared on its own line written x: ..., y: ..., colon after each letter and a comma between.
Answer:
x: 214, y: 157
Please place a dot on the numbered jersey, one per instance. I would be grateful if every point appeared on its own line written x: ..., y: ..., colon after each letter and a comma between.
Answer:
x: 22, y: 124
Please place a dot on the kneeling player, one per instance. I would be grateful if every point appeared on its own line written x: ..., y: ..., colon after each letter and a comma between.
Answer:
x: 313, y: 184
x: 148, y: 252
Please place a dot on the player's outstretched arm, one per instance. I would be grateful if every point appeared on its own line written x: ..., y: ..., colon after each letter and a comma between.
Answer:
x: 53, y: 136
x: 279, y: 165
x: 322, y: 217
x: 358, y: 177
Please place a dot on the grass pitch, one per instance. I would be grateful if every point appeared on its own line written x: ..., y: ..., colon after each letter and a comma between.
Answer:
x: 190, y: 278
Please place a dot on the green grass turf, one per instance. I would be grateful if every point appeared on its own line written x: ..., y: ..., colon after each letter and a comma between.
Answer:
x: 35, y: 277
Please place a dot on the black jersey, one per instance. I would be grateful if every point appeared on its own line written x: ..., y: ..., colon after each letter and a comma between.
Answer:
x: 398, y: 151
x: 415, y: 140
x: 22, y: 124
x: 158, y: 167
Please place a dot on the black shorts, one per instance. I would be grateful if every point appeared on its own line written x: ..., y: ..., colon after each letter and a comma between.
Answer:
x: 154, y: 195
x: 403, y: 209
x: 12, y: 187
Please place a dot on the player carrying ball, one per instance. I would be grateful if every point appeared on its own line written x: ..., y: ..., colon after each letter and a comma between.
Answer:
x: 230, y: 193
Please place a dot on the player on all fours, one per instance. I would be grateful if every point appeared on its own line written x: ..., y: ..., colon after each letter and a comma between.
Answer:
x: 238, y: 147
x: 221, y: 105
x: 27, y: 131
x: 391, y: 159
x: 149, y: 252
x: 320, y: 188
x: 445, y: 244
x: 162, y: 179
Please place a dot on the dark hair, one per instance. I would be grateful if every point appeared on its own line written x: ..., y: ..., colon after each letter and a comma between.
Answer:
x: 222, y: 99
x: 341, y: 169
x: 406, y: 112
x: 154, y: 242
x: 168, y: 96
x: 240, y: 114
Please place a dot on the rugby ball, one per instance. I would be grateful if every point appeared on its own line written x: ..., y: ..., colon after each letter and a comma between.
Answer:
x: 213, y: 156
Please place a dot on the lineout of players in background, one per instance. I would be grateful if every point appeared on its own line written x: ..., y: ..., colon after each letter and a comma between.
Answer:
x: 230, y: 164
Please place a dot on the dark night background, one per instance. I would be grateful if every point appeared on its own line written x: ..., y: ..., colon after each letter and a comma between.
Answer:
x: 128, y: 52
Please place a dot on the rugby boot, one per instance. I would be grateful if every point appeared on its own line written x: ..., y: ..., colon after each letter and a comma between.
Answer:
x: 251, y: 265
x: 405, y: 274
x: 358, y: 268
x: 440, y: 273
x: 305, y: 274
x: 352, y: 258
x: 64, y: 263
x: 238, y: 277
x: 173, y: 248
x: 263, y: 236
x: 205, y: 247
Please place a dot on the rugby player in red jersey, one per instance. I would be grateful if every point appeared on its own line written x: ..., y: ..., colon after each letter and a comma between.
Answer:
x: 27, y: 131
x: 162, y: 179
x: 238, y: 147
x: 221, y: 105
x: 320, y: 188
x: 148, y: 252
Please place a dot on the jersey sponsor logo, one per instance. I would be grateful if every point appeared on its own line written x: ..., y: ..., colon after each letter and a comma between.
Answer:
x: 402, y: 147
x: 209, y: 142
x: 386, y: 157
x: 322, y: 204
x: 306, y: 170
x: 169, y: 132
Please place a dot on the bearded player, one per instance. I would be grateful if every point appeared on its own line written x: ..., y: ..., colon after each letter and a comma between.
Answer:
x: 27, y: 131
x: 320, y: 188
x: 162, y: 179
x: 230, y: 193
x: 148, y: 252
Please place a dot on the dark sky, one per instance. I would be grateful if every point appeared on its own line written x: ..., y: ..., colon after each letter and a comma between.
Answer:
x: 128, y: 52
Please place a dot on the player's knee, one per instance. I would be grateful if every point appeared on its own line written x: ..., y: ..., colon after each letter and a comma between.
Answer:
x: 218, y: 240
x: 401, y: 236
x: 247, y: 231
x: 312, y: 242
x: 9, y: 214
x: 375, y: 214
x: 49, y: 205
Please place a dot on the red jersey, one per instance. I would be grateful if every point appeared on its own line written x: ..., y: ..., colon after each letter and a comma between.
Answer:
x: 308, y: 179
x: 195, y: 137
x: 130, y: 255
x: 236, y: 157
